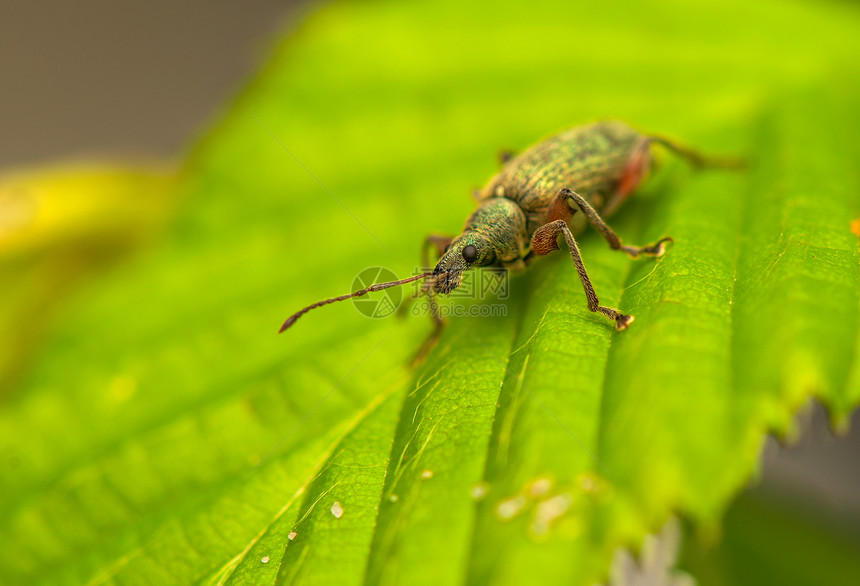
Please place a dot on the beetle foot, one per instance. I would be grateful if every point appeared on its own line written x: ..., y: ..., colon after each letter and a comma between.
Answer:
x: 656, y: 249
x: 622, y: 321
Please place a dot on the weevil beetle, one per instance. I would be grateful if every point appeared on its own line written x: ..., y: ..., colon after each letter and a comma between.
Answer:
x: 536, y: 198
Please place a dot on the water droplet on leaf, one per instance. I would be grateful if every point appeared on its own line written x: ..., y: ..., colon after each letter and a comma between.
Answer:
x: 337, y: 510
x: 479, y: 491
x: 508, y: 509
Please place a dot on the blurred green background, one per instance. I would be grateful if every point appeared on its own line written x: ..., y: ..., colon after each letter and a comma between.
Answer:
x: 153, y: 429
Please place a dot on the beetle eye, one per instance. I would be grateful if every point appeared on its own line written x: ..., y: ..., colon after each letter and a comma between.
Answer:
x: 470, y: 254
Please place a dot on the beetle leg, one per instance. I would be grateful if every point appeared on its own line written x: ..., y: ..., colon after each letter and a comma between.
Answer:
x: 656, y: 249
x: 437, y: 241
x: 440, y: 243
x: 697, y: 159
x: 432, y: 338
x: 544, y: 241
x: 506, y: 155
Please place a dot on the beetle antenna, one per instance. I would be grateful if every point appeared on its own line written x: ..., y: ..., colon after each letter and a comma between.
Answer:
x: 375, y: 287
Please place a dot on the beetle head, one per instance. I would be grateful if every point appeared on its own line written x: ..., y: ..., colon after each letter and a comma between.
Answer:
x: 467, y: 251
x: 494, y: 234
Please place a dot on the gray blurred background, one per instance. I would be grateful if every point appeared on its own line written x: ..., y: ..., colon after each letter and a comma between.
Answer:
x: 95, y: 77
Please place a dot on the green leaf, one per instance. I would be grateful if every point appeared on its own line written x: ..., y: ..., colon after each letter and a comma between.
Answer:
x: 165, y: 434
x: 57, y: 226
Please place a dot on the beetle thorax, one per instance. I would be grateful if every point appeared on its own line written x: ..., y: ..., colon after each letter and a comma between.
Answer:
x: 494, y: 234
x: 502, y: 223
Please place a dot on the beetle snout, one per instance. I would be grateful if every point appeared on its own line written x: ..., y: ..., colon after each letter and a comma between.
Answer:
x: 445, y: 284
x: 447, y: 276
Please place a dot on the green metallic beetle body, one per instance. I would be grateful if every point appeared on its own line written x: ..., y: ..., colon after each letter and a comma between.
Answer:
x: 545, y: 195
x: 591, y: 160
x: 588, y: 159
